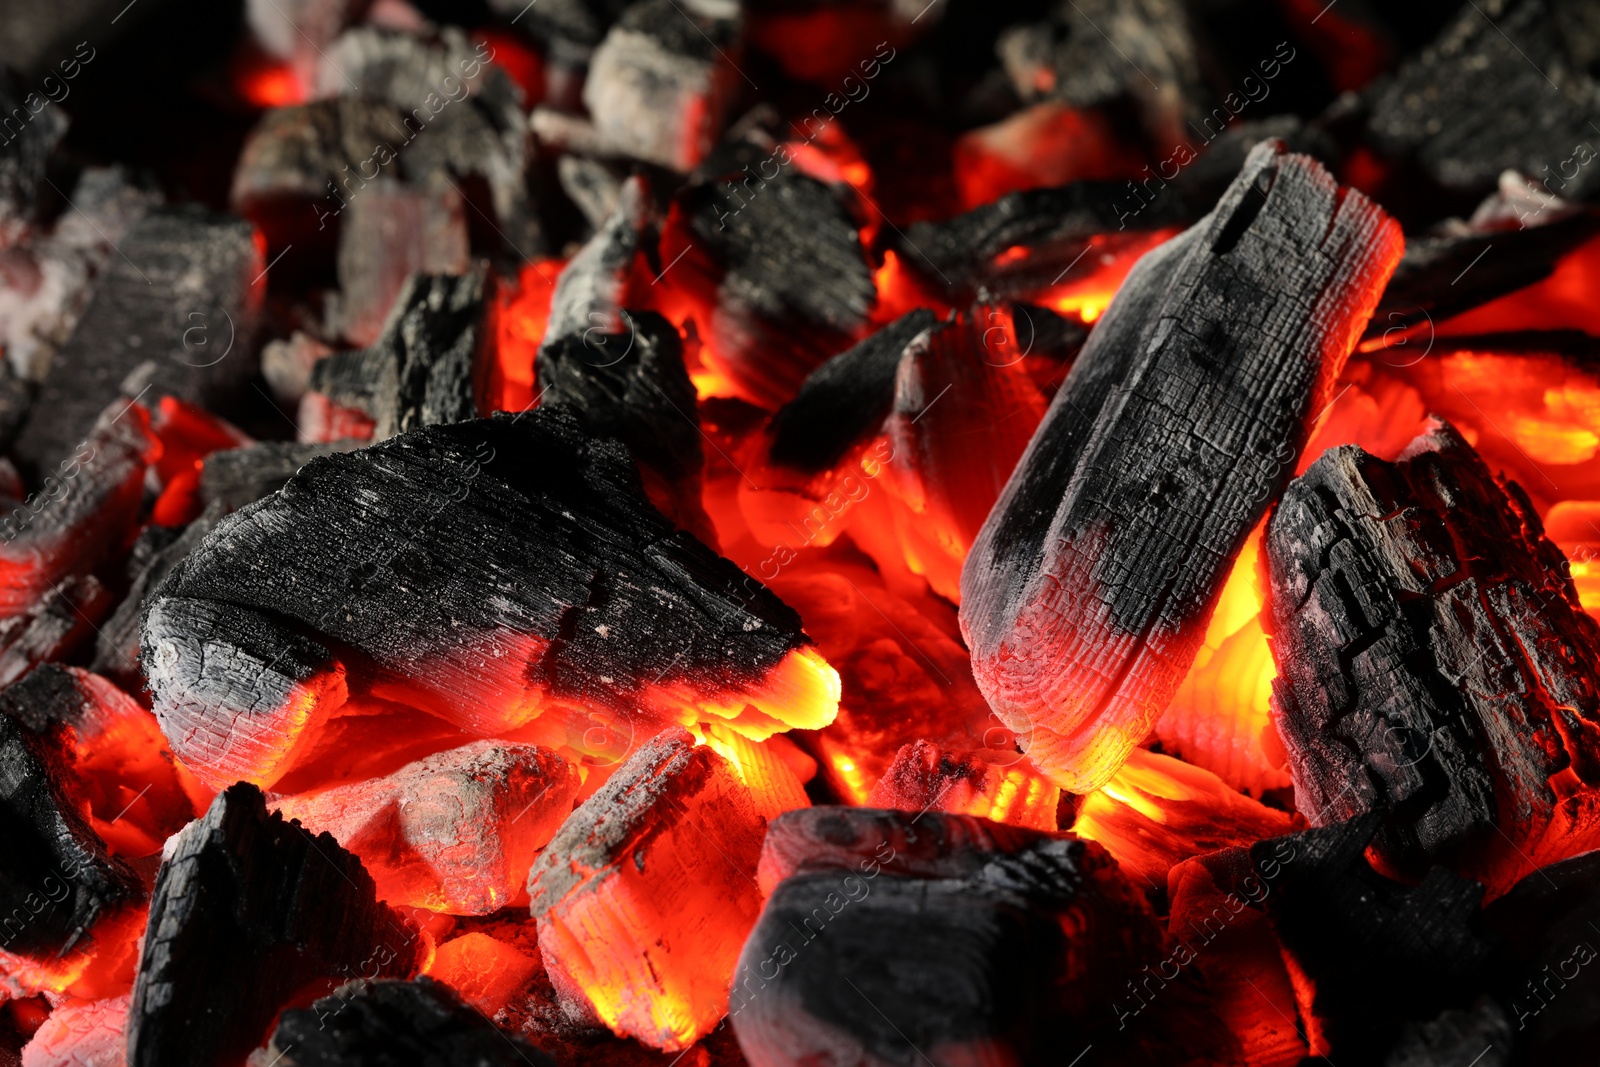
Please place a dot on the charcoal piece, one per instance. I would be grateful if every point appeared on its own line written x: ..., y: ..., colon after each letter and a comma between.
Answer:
x: 779, y: 275
x: 482, y: 571
x: 1481, y: 1035
x: 32, y: 128
x: 300, y: 31
x: 249, y: 912
x: 16, y: 400
x: 155, y: 553
x: 81, y: 513
x: 924, y: 777
x: 61, y: 622
x: 235, y: 477
x: 570, y: 29
x: 455, y: 832
x: 592, y: 290
x: 390, y: 233
x: 844, y: 401
x: 1104, y: 52
x: 1088, y: 591
x: 420, y: 1023
x: 80, y: 1034
x: 421, y: 370
x: 312, y: 152
x: 595, y: 188
x: 286, y: 365
x: 58, y: 878
x: 632, y: 385
x: 894, y: 935
x: 1495, y: 91
x: 1435, y: 665
x: 180, y: 269
x: 661, y: 82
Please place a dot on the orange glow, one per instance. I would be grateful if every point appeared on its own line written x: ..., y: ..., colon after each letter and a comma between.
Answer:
x: 1564, y: 300
x: 99, y: 965
x: 760, y: 766
x: 900, y: 291
x: 273, y: 85
x: 1041, y: 145
x: 487, y: 973
x: 998, y: 786
x: 521, y: 63
x: 521, y: 313
x: 1099, y: 275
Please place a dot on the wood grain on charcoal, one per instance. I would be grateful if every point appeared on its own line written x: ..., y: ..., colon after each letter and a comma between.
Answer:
x: 1086, y: 595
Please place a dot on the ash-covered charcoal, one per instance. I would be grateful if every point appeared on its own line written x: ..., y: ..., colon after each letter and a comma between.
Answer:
x: 844, y: 402
x: 1088, y: 591
x: 23, y: 155
x: 57, y: 625
x: 422, y: 370
x: 58, y: 879
x: 662, y: 81
x: 593, y: 289
x: 455, y: 832
x: 154, y: 554
x: 1497, y: 90
x: 300, y: 31
x: 777, y: 275
x: 632, y: 385
x: 924, y: 777
x: 286, y: 365
x: 486, y: 572
x: 570, y: 30
x: 420, y: 1023
x: 1547, y: 945
x: 1104, y: 52
x: 249, y: 913
x: 1435, y: 664
x: 647, y: 891
x: 390, y: 233
x: 1449, y: 269
x: 81, y: 513
x: 594, y: 187
x: 80, y: 1034
x: 1481, y: 1035
x: 964, y: 940
x: 1373, y: 953
x: 235, y: 477
x: 311, y: 154
x: 180, y: 268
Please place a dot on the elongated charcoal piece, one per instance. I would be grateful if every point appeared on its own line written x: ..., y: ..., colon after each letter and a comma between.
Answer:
x: 1087, y: 593
x: 249, y: 912
x: 844, y: 401
x: 1546, y: 950
x: 61, y: 622
x: 661, y: 82
x: 235, y: 477
x: 777, y: 274
x: 592, y: 290
x: 1434, y: 662
x: 646, y: 893
x: 1375, y: 953
x: 387, y: 1022
x: 58, y: 878
x: 455, y: 832
x: 486, y: 572
x: 631, y: 384
x: 181, y: 269
x: 888, y: 932
x: 80, y: 513
x: 420, y: 372
x: 1496, y: 90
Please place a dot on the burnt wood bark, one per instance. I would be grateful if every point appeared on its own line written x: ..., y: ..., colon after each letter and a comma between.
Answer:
x: 180, y: 268
x: 421, y: 370
x: 1435, y: 665
x: 396, y: 1024
x: 248, y: 913
x: 487, y: 572
x: 1087, y: 592
x: 58, y: 878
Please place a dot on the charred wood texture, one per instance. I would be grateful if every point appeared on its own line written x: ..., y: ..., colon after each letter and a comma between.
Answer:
x: 421, y: 370
x: 248, y: 913
x: 1087, y: 593
x: 889, y: 936
x: 1435, y: 665
x: 391, y: 233
x: 62, y: 621
x: 396, y: 1024
x: 58, y: 878
x: 484, y: 572
x: 176, y: 263
x: 1496, y: 90
x: 647, y: 891
x: 235, y: 477
x: 778, y: 274
x: 455, y: 832
x: 594, y: 288
x: 924, y: 777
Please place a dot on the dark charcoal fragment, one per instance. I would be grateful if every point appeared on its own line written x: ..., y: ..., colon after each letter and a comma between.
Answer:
x: 390, y: 233
x: 483, y: 571
x: 235, y: 477
x: 180, y: 268
x: 60, y: 623
x: 24, y: 148
x: 844, y: 400
x: 779, y: 276
x: 250, y: 912
x: 1496, y: 90
x: 1086, y: 595
x: 888, y: 936
x: 57, y: 878
x: 1481, y: 1035
x: 158, y: 550
x: 421, y: 370
x: 592, y: 289
x: 396, y: 1024
x: 1434, y: 662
